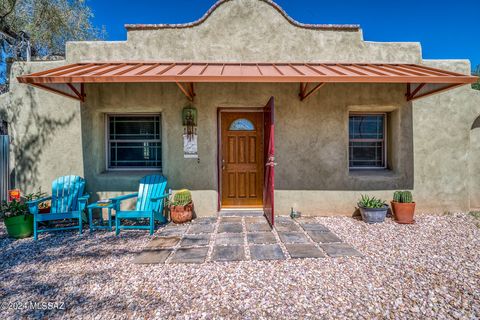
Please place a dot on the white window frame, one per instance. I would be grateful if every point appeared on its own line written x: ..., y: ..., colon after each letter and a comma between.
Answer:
x: 107, y: 142
x: 385, y: 140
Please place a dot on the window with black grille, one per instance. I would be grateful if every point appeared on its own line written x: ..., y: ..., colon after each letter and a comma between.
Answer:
x: 367, y: 141
x: 134, y: 141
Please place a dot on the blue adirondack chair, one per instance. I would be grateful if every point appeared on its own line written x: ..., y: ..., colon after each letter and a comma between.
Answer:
x: 67, y: 202
x: 150, y: 201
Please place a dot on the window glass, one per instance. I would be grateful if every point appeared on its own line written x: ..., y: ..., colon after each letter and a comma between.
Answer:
x: 367, y: 141
x: 242, y: 125
x: 134, y: 141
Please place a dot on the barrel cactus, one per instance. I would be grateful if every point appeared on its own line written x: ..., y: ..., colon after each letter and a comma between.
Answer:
x: 406, y: 197
x: 182, y: 197
x: 402, y: 197
x: 397, y: 196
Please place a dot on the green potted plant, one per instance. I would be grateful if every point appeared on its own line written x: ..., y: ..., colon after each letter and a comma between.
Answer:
x: 17, y: 219
x: 373, y: 210
x: 181, y: 208
x: 403, y: 207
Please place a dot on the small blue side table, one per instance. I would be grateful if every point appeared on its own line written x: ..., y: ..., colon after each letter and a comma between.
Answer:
x: 102, y: 226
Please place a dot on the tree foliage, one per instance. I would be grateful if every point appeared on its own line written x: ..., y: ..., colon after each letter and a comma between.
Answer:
x: 477, y: 73
x: 48, y: 23
x: 42, y: 27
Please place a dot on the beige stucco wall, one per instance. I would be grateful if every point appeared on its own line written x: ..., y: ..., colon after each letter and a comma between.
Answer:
x: 430, y: 149
x: 45, y: 131
x: 442, y: 126
x: 474, y: 169
x: 474, y: 149
x: 245, y: 30
x: 311, y: 136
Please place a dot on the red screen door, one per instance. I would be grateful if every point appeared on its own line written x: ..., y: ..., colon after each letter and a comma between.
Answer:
x: 269, y: 149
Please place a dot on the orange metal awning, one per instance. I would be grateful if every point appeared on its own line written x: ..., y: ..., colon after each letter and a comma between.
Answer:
x: 69, y: 79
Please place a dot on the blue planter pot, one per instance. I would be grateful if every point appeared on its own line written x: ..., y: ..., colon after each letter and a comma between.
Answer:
x: 373, y: 215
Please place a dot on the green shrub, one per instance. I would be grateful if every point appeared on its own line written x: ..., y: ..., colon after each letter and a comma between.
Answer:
x: 13, y: 208
x: 476, y: 86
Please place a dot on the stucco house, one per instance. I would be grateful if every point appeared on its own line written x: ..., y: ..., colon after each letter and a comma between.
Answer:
x: 194, y: 101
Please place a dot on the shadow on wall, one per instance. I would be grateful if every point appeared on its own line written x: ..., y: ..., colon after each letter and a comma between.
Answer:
x: 476, y: 123
x: 39, y: 129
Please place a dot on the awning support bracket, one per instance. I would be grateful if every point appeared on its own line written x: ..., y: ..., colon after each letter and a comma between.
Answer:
x: 413, y: 95
x: 189, y: 92
x: 81, y: 94
x: 74, y: 94
x: 303, y: 90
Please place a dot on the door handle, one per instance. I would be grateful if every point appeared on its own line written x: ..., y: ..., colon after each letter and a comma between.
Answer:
x: 271, y: 162
x: 223, y: 164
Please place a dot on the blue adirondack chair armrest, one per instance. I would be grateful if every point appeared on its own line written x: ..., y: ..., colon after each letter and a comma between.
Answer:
x: 118, y: 200
x: 33, y: 204
x: 82, y: 201
x: 159, y: 198
x: 124, y: 197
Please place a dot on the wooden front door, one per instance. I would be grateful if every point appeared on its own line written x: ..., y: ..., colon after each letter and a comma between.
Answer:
x: 242, y: 163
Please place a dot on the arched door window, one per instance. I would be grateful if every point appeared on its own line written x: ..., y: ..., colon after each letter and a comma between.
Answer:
x: 242, y: 124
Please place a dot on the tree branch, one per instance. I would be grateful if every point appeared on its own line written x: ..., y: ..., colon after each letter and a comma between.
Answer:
x: 14, y: 3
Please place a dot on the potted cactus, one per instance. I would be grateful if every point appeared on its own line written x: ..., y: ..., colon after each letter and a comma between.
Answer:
x: 403, y: 207
x: 373, y: 210
x: 181, y: 207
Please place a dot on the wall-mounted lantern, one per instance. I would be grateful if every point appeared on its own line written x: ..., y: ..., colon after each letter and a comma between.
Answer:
x: 189, y: 121
x: 189, y: 116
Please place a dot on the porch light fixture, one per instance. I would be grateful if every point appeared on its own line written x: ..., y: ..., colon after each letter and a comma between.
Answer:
x: 189, y: 120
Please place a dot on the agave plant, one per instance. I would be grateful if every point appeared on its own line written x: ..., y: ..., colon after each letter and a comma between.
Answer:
x: 371, y: 202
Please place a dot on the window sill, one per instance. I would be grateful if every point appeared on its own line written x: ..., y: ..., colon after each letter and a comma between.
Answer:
x: 129, y: 173
x: 383, y: 173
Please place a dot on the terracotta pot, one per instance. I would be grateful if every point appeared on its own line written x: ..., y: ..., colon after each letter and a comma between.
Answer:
x: 181, y: 214
x: 403, y: 212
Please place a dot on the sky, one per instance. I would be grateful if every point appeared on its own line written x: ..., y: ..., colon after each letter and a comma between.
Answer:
x: 446, y: 30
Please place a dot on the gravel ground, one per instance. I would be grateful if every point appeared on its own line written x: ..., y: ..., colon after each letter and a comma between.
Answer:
x: 430, y: 270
